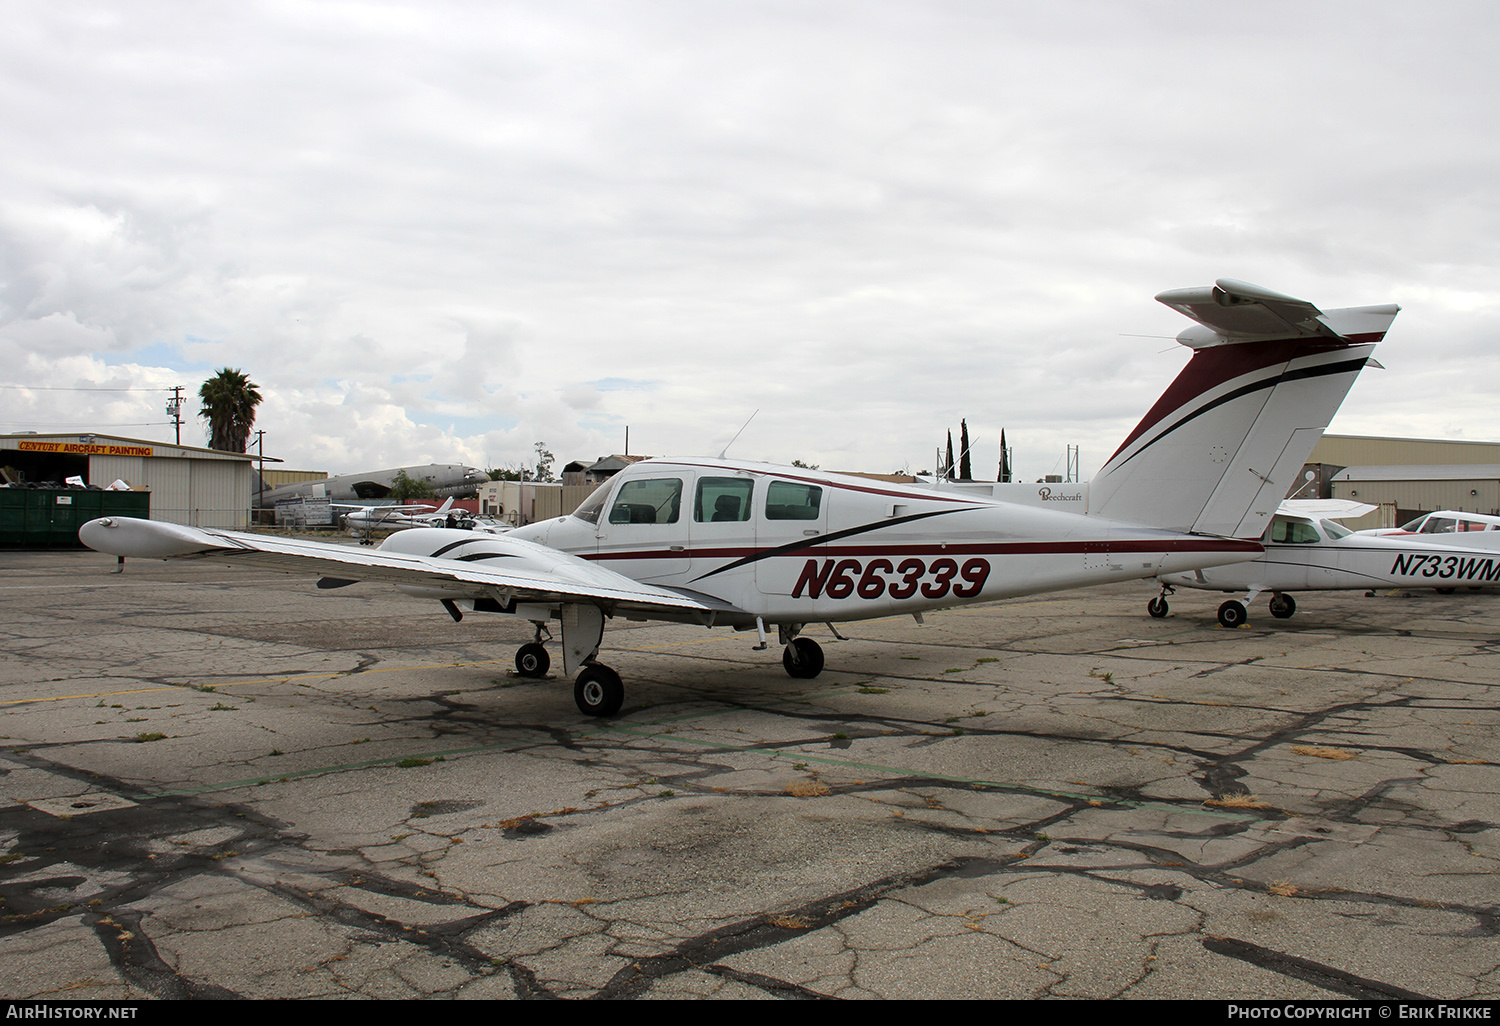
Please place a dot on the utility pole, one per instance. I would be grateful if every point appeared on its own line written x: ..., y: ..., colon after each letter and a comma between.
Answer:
x: 174, y: 410
x: 260, y: 442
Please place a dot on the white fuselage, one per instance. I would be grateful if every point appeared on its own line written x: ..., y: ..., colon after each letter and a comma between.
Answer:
x: 1319, y: 556
x: 795, y: 546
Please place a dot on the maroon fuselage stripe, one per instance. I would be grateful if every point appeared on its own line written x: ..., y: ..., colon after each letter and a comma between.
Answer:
x: 967, y: 549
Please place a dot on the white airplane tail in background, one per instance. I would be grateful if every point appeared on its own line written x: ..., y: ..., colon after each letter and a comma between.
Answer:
x: 1223, y: 445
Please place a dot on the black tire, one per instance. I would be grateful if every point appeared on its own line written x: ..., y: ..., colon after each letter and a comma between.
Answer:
x: 803, y: 659
x: 1157, y: 607
x: 1232, y: 614
x: 598, y: 691
x: 532, y: 660
x: 1283, y: 606
x: 1445, y: 591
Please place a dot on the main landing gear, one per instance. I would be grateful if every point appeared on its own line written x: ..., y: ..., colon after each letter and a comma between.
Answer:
x: 1232, y: 614
x: 598, y: 690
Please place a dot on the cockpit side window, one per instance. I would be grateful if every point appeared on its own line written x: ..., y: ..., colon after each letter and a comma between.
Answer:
x: 1335, y: 530
x: 657, y: 501
x: 1293, y: 532
x: 588, y: 510
x: 786, y: 500
x: 1439, y: 525
x: 722, y: 500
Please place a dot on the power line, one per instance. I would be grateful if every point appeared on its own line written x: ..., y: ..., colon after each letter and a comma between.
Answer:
x: 84, y: 388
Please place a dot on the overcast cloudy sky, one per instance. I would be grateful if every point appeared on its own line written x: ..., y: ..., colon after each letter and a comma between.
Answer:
x: 444, y: 231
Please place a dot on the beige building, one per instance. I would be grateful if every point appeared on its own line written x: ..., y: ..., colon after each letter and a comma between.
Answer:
x: 1406, y: 477
x: 196, y: 487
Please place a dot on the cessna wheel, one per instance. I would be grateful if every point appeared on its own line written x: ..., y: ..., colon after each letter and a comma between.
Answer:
x: 1283, y: 606
x: 1232, y: 614
x: 803, y: 658
x: 598, y: 691
x: 1157, y: 607
x: 532, y: 660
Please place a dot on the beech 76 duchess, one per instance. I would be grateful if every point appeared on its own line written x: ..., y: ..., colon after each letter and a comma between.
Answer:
x: 753, y: 546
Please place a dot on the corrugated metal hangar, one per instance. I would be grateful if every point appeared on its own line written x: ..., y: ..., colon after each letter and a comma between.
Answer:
x: 1409, y: 476
x: 196, y: 487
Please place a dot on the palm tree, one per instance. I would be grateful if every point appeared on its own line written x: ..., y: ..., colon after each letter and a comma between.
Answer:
x: 229, y: 400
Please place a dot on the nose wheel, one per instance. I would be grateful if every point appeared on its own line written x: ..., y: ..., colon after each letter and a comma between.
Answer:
x: 802, y: 658
x: 1283, y: 606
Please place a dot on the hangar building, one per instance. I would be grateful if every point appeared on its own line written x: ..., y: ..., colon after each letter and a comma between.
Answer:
x: 1408, y: 476
x: 196, y: 487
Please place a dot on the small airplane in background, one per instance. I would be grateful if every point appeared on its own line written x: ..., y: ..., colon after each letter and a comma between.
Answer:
x: 752, y: 546
x: 361, y: 520
x: 1308, y: 550
x: 1445, y: 527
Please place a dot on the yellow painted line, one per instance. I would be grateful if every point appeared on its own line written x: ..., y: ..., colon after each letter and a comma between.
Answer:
x: 257, y: 680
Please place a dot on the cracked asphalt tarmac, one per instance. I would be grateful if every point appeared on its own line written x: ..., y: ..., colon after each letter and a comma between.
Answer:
x: 220, y: 783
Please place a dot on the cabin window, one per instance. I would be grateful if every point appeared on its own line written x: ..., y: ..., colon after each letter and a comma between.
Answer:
x: 1439, y: 525
x: 588, y: 509
x: 788, y: 501
x: 722, y: 500
x: 1293, y: 532
x: 657, y: 501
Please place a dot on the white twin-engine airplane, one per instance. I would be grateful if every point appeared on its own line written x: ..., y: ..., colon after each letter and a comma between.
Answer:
x: 753, y: 546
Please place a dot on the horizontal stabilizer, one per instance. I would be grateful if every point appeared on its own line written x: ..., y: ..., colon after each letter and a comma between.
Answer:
x: 1224, y: 444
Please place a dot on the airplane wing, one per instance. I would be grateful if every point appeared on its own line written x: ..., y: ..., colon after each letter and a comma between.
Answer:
x: 497, y: 567
x: 1331, y: 509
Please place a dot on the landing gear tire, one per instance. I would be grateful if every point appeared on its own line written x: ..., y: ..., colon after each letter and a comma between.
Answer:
x: 1445, y: 591
x: 598, y: 691
x: 1283, y: 606
x: 532, y: 660
x: 1232, y: 614
x: 1157, y: 607
x: 802, y: 658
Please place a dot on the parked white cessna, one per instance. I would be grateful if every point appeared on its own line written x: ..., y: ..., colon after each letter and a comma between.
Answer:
x: 364, y: 519
x: 1307, y: 550
x: 754, y: 546
x: 1446, y: 527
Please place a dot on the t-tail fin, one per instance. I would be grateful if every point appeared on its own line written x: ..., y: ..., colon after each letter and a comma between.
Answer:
x: 1223, y: 445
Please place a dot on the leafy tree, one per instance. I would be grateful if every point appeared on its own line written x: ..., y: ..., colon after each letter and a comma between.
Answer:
x: 804, y: 466
x: 405, y: 488
x: 544, y: 461
x: 965, y: 469
x: 229, y: 399
x: 948, y: 467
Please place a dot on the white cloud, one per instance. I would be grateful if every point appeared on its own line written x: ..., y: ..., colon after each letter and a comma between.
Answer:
x: 425, y: 229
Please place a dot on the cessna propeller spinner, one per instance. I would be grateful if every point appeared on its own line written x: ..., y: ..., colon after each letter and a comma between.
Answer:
x: 752, y: 546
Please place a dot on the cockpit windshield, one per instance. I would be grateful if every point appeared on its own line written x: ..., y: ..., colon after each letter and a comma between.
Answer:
x: 1334, y: 529
x: 588, y: 510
